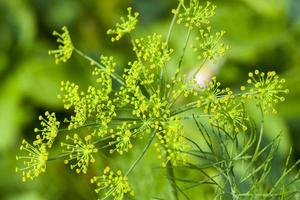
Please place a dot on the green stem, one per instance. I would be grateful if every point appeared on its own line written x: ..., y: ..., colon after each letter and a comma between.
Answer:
x: 58, y: 157
x: 170, y: 30
x: 180, y: 61
x: 117, y: 77
x: 142, y: 154
x: 172, y: 24
x: 172, y: 181
x: 184, y: 108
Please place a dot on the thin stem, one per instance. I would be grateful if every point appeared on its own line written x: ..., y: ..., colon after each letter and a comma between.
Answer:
x: 142, y: 154
x: 180, y: 61
x: 117, y: 77
x: 172, y: 178
x: 58, y: 157
x: 185, y: 108
x: 260, y: 132
x: 172, y: 23
x: 170, y: 30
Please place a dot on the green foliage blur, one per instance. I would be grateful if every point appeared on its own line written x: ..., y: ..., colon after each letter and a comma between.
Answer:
x: 262, y: 35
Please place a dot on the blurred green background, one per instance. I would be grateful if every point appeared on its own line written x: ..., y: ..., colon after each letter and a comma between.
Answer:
x: 262, y: 34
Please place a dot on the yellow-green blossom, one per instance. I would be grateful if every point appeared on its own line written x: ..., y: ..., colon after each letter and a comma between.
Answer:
x: 172, y: 146
x: 65, y: 48
x: 93, y: 102
x: 33, y: 160
x: 229, y: 114
x: 195, y: 15
x: 125, y: 26
x: 210, y: 94
x: 267, y: 88
x: 113, y: 184
x: 153, y: 50
x: 81, y: 152
x: 209, y: 46
x: 123, y: 138
x: 49, y: 129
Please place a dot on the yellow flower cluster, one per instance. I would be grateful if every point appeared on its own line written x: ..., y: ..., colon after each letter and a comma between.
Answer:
x: 266, y: 88
x: 35, y: 155
x: 65, y: 48
x: 125, y: 26
x: 153, y: 51
x: 50, y: 129
x: 209, y: 45
x: 80, y: 152
x: 114, y: 184
x: 195, y: 15
x: 34, y: 160
x: 171, y: 145
x: 92, y: 103
x: 123, y: 135
x: 223, y: 108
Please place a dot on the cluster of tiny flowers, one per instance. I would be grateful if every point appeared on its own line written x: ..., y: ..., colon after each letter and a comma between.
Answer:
x: 153, y: 50
x: 125, y: 26
x: 209, y: 46
x: 124, y: 136
x: 65, y: 48
x: 183, y: 86
x: 35, y: 155
x: 103, y: 78
x: 171, y: 145
x: 210, y: 94
x: 229, y: 114
x: 113, y: 184
x: 50, y: 129
x: 153, y: 53
x: 80, y: 152
x: 223, y: 107
x: 92, y: 103
x: 34, y: 160
x: 195, y: 15
x: 266, y: 88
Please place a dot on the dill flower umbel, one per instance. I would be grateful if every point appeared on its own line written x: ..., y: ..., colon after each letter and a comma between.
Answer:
x: 171, y: 145
x: 80, y: 151
x: 113, y: 184
x: 50, y: 129
x: 125, y: 26
x: 124, y: 136
x: 209, y: 45
x: 195, y: 15
x: 266, y: 88
x: 65, y: 48
x: 34, y: 160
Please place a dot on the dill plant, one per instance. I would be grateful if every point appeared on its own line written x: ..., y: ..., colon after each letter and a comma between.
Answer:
x: 230, y: 139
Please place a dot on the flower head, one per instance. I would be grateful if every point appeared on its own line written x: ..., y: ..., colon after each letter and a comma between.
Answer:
x: 229, y: 114
x: 65, y: 48
x: 34, y: 160
x: 195, y: 16
x: 267, y: 88
x: 171, y: 145
x: 125, y: 26
x: 80, y: 151
x: 50, y: 129
x: 113, y: 184
x: 124, y: 136
x: 153, y: 50
x: 210, y: 93
x: 209, y: 45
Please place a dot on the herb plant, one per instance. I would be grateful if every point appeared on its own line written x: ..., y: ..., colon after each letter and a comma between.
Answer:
x: 119, y: 110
